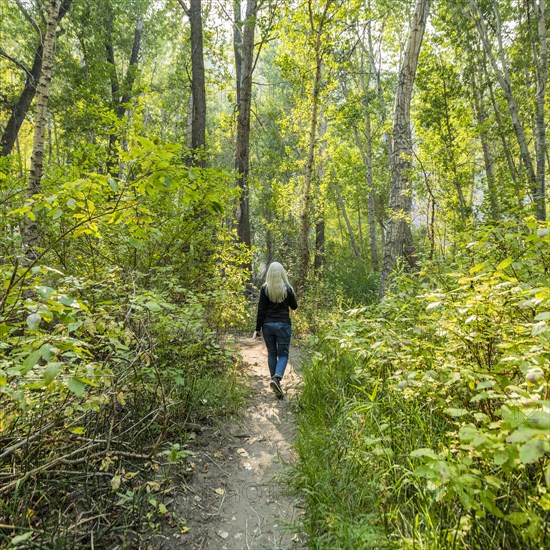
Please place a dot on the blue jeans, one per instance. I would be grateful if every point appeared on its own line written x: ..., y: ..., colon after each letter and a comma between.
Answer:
x: 277, y: 340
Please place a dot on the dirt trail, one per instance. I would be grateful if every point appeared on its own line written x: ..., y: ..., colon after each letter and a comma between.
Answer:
x: 237, y: 498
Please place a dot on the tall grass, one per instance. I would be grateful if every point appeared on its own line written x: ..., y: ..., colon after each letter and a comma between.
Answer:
x: 425, y: 421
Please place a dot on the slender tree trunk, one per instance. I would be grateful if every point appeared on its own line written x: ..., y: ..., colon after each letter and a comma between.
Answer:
x: 374, y: 259
x: 317, y: 29
x: 379, y: 91
x: 31, y: 232
x: 481, y: 116
x: 319, y: 256
x: 398, y: 237
x: 500, y: 128
x: 451, y: 158
x: 121, y: 94
x: 540, y: 125
x: 502, y: 73
x: 198, y: 137
x: 242, y: 145
x: 21, y: 108
x: 189, y: 121
x: 342, y: 206
x: 386, y: 139
x: 238, y: 46
x: 366, y: 154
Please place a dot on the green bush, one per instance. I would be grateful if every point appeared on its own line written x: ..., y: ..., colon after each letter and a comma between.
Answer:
x: 440, y: 419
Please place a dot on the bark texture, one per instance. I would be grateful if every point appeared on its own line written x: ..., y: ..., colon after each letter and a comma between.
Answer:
x: 398, y: 235
x: 242, y: 144
x: 31, y: 232
x: 198, y: 87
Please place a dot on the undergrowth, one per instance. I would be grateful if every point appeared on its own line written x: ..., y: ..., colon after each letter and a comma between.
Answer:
x: 425, y: 420
x: 111, y: 346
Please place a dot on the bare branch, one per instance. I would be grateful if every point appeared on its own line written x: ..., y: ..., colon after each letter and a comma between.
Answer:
x: 28, y: 17
x: 15, y: 62
x: 184, y: 7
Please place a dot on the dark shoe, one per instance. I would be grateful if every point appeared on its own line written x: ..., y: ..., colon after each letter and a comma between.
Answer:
x: 276, y: 387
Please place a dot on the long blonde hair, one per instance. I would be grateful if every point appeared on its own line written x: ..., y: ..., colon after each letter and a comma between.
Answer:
x: 276, y: 283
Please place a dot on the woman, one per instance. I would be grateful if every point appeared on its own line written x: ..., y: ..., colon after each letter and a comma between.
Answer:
x: 273, y: 319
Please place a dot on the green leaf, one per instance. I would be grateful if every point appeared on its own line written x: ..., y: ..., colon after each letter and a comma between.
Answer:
x: 51, y: 371
x: 517, y: 518
x: 76, y: 386
x: 57, y: 213
x: 533, y: 450
x: 544, y: 316
x: 48, y: 351
x: 45, y: 314
x: 152, y: 306
x: 78, y: 430
x: 488, y: 500
x: 67, y: 300
x: 456, y: 412
x: 424, y: 452
x: 21, y: 538
x: 33, y: 321
x: 30, y: 361
x: 504, y: 264
x: 44, y: 291
x: 477, y: 268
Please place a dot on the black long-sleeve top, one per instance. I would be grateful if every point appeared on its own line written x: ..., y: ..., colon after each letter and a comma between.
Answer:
x: 270, y: 312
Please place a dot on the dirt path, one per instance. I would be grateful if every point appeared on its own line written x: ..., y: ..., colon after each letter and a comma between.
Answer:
x: 237, y: 498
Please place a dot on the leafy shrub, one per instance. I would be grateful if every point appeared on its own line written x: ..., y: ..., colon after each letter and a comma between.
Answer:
x: 439, y: 399
x: 111, y: 346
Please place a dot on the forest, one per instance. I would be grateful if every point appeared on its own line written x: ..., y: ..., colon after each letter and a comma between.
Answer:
x: 157, y: 155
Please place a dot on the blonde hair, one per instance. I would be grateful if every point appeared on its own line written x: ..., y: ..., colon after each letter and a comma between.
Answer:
x: 276, y: 283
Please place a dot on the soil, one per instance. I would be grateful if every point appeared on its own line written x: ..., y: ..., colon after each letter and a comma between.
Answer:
x: 237, y: 497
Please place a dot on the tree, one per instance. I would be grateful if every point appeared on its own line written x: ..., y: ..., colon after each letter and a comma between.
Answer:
x: 245, y: 58
x: 22, y: 106
x: 198, y: 86
x: 501, y: 69
x: 31, y: 233
x: 398, y: 237
x: 317, y: 28
x: 120, y: 93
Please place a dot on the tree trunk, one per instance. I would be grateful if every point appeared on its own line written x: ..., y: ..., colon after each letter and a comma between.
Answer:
x: 319, y: 256
x: 120, y: 95
x: 371, y: 199
x: 501, y: 130
x: 540, y: 125
x: 31, y: 233
x: 21, y: 108
x: 198, y: 87
x: 342, y: 206
x: 481, y: 116
x: 238, y: 46
x: 398, y: 236
x: 242, y: 145
x: 502, y: 73
x: 305, y: 216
